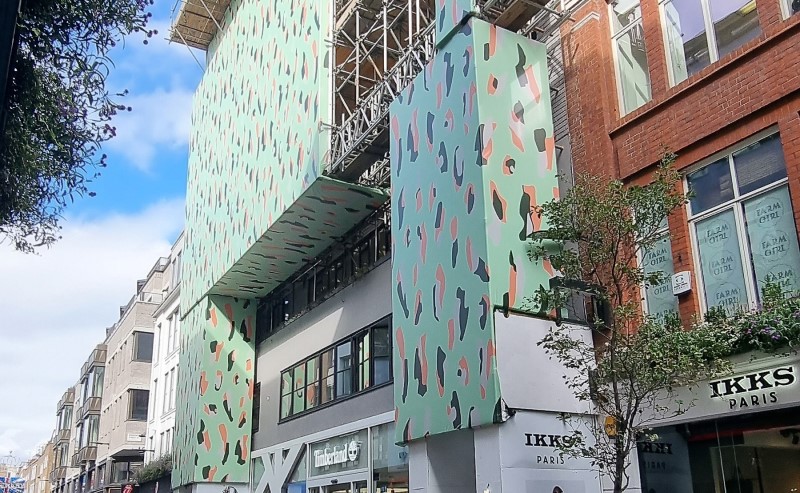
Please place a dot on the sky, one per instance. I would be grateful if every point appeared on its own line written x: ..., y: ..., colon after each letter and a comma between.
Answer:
x: 57, y: 303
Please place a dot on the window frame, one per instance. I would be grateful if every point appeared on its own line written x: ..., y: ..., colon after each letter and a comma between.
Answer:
x: 750, y: 281
x: 786, y: 10
x: 354, y: 370
x: 135, y: 346
x: 615, y: 36
x: 131, y: 404
x: 711, y: 36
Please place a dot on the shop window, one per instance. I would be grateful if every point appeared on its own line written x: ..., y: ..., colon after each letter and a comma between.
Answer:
x: 743, y: 225
x: 633, y: 78
x: 751, y: 453
x: 389, y: 460
x: 356, y: 364
x: 659, y: 300
x: 700, y: 32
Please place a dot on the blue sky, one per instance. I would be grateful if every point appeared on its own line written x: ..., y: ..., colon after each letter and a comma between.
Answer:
x: 58, y: 303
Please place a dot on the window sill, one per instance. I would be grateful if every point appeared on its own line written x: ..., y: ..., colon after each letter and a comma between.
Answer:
x: 334, y: 402
x: 708, y: 74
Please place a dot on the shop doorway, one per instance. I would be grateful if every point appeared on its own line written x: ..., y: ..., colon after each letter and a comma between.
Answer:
x: 350, y: 487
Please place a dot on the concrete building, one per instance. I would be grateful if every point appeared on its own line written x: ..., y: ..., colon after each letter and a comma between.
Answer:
x: 37, y: 471
x: 164, y: 373
x: 89, y: 401
x: 62, y: 469
x: 123, y: 422
x: 713, y: 82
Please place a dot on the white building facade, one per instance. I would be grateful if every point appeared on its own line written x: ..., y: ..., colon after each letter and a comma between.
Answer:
x: 164, y: 374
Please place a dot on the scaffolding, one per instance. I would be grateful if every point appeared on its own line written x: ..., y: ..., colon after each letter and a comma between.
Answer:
x: 380, y: 47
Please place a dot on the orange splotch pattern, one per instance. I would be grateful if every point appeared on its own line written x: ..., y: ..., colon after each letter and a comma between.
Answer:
x: 213, y: 421
x: 471, y: 154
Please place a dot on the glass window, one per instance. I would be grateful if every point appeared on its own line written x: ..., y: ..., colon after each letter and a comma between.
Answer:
x: 298, y: 402
x: 749, y: 453
x: 773, y: 239
x: 344, y: 371
x: 327, y: 367
x: 659, y: 299
x: 751, y: 183
x: 381, y: 354
x: 93, y: 428
x: 286, y: 394
x: 363, y: 354
x: 759, y: 164
x: 137, y: 410
x: 172, y: 378
x: 389, y: 460
x: 356, y: 364
x: 793, y: 6
x: 720, y: 261
x: 710, y: 186
x: 632, y: 72
x: 312, y: 382
x: 143, y: 346
x: 97, y: 381
x: 700, y: 32
x: 735, y: 23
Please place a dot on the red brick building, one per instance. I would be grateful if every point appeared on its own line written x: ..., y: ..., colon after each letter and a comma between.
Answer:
x: 718, y: 83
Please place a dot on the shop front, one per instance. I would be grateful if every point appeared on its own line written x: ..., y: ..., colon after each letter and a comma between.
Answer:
x: 364, y: 460
x: 741, y: 435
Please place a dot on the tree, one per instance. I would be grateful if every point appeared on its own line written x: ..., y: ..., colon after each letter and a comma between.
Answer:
x: 631, y: 370
x: 59, y: 109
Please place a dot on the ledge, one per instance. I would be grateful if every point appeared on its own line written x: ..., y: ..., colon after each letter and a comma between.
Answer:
x: 326, y: 211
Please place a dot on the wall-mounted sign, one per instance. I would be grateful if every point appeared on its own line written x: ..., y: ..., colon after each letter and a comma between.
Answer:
x: 534, y: 440
x: 338, y: 454
x: 761, y: 386
x: 754, y: 389
x: 681, y: 282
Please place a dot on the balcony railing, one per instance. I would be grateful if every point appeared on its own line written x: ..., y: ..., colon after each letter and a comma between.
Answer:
x: 62, y: 435
x: 97, y: 358
x: 91, y: 406
x: 66, y: 399
x: 58, y: 472
x: 369, y: 123
x: 87, y: 453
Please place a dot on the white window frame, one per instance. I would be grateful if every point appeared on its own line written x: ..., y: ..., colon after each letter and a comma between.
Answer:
x: 615, y: 58
x: 750, y: 282
x: 786, y: 9
x: 711, y: 36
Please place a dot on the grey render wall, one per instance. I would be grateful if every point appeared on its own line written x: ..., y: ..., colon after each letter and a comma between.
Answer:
x: 353, y: 308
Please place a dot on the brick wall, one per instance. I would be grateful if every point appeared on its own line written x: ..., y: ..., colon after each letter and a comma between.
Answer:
x: 754, y: 88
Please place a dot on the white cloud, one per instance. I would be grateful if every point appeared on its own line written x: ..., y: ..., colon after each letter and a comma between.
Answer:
x: 160, y: 120
x: 56, y: 306
x: 161, y: 77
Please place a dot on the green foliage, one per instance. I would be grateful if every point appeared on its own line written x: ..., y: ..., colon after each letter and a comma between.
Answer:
x: 774, y: 327
x: 59, y: 110
x: 634, y: 365
x: 155, y: 469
